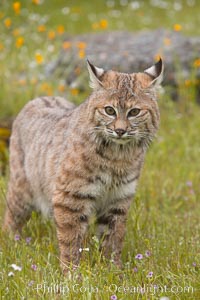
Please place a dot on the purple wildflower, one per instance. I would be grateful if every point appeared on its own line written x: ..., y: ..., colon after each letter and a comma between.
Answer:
x: 194, y: 264
x: 17, y: 237
x: 113, y: 297
x: 191, y: 191
x: 150, y: 275
x: 28, y: 240
x: 135, y: 269
x: 148, y: 253
x: 189, y: 183
x: 34, y: 267
x: 142, y: 290
x: 139, y: 256
x: 31, y: 283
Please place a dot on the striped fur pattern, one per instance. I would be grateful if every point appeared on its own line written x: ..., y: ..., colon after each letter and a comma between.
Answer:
x: 73, y: 162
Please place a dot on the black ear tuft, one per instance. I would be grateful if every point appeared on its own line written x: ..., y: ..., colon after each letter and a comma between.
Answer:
x: 95, y: 74
x: 159, y: 66
x: 92, y: 67
x: 156, y: 72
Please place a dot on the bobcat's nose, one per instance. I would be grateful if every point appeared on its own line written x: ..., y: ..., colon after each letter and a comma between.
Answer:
x: 120, y: 131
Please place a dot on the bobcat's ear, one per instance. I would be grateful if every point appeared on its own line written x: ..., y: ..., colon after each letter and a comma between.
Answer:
x: 156, y: 73
x: 95, y: 74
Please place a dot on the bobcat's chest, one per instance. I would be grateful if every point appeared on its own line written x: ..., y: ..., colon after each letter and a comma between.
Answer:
x: 113, y: 189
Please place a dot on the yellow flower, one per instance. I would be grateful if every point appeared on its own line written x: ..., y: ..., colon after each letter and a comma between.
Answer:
x: 49, y: 91
x: 103, y: 24
x: 177, y: 27
x: 51, y: 34
x: 1, y: 14
x: 16, y: 7
x: 197, y: 63
x: 1, y: 46
x: 77, y: 70
x: 4, y: 133
x: 46, y: 87
x: 60, y: 29
x: 81, y: 45
x: 157, y: 56
x: 36, y: 2
x: 95, y: 25
x: 16, y: 32
x: 61, y: 88
x: 22, y: 82
x: 74, y: 92
x: 41, y: 28
x: 19, y: 42
x: 81, y: 53
x: 167, y: 41
x: 39, y: 58
x: 33, y: 81
x: 187, y: 82
x: 7, y: 22
x: 66, y: 45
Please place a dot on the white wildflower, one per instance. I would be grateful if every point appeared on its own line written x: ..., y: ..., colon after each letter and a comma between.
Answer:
x: 16, y: 268
x: 84, y: 249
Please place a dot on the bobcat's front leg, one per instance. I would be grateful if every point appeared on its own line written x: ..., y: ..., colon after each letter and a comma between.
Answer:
x: 112, y: 226
x: 71, y: 213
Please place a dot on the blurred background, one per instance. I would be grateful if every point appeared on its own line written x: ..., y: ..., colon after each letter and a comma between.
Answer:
x: 33, y: 33
x: 43, y: 50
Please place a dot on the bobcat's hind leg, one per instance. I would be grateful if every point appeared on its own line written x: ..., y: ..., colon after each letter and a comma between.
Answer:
x: 19, y: 196
x: 18, y: 209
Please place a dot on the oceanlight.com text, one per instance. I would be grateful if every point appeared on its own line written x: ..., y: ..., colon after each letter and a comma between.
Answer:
x: 64, y: 289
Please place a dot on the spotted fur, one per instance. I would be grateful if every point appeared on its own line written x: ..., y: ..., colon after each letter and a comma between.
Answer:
x: 72, y: 162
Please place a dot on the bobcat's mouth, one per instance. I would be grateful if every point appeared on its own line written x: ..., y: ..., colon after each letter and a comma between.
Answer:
x: 121, y: 141
x: 124, y: 139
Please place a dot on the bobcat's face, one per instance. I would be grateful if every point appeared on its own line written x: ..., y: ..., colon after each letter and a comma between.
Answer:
x: 125, y: 111
x: 123, y: 106
x: 137, y: 119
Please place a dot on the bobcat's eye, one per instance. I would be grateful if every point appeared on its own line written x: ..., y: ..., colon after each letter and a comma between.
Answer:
x: 110, y: 111
x: 133, y: 112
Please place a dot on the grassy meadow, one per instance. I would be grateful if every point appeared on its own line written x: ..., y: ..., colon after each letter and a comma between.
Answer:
x: 161, y: 252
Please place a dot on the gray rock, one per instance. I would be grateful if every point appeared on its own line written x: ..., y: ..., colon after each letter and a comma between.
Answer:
x: 129, y: 52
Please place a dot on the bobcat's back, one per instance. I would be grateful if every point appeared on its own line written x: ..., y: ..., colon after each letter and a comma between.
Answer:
x: 37, y: 140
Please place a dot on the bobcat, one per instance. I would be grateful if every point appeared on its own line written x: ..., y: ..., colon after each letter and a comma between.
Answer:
x: 72, y: 162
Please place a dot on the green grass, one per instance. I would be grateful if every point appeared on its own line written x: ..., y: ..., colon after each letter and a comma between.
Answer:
x: 164, y: 218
